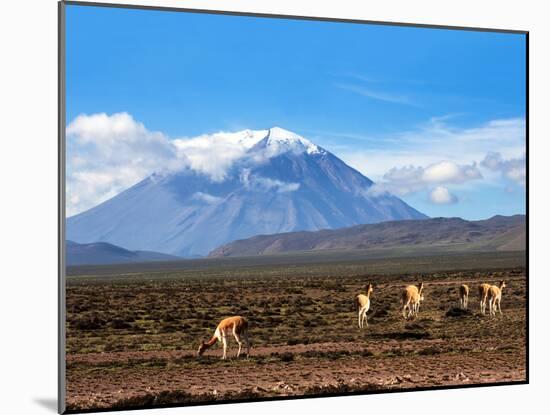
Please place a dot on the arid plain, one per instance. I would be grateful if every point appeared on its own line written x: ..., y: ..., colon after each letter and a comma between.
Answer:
x: 132, y: 337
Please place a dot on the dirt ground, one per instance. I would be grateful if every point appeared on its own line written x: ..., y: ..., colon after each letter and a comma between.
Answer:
x: 133, y: 342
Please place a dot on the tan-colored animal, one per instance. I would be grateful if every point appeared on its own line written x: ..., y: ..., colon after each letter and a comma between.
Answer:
x: 410, y: 300
x: 236, y: 325
x: 483, y: 290
x: 495, y: 295
x: 363, y: 305
x: 464, y: 291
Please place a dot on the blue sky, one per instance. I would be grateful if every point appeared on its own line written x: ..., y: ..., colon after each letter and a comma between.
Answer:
x: 393, y: 102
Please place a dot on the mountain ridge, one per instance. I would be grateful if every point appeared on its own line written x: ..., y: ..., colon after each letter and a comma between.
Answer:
x: 496, y: 233
x: 99, y: 253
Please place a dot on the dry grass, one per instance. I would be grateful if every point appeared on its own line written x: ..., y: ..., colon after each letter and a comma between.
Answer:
x: 142, y: 333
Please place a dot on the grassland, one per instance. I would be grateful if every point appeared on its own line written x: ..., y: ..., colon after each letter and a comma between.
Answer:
x: 131, y: 336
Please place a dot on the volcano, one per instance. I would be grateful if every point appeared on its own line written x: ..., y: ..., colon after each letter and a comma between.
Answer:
x: 282, y: 182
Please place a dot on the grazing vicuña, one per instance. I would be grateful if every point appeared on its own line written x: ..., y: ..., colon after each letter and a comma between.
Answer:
x: 236, y: 325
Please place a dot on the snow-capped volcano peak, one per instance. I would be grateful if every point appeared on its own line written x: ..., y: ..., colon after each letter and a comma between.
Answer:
x: 279, y: 140
x: 278, y: 133
x: 245, y: 138
x: 275, y: 139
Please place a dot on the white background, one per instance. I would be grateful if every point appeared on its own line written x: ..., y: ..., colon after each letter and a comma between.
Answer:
x: 28, y: 183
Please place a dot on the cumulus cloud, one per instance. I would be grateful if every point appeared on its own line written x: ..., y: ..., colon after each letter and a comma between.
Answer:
x: 109, y: 153
x: 514, y: 169
x: 450, y: 172
x: 411, y: 179
x: 211, y: 155
x: 441, y: 196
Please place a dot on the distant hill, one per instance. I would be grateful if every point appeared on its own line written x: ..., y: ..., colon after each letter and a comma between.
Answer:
x: 499, y: 233
x: 104, y: 253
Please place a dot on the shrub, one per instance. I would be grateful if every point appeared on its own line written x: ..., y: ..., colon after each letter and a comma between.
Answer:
x: 89, y: 323
x: 287, y: 357
x: 118, y: 324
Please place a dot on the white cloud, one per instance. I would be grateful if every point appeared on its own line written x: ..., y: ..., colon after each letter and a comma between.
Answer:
x: 109, y: 153
x: 514, y: 169
x: 256, y: 182
x: 215, y: 154
x: 411, y: 179
x: 280, y: 186
x: 212, y: 155
x: 450, y: 172
x: 207, y: 198
x: 441, y: 196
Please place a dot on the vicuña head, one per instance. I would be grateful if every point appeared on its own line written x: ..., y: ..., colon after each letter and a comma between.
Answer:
x: 370, y: 289
x: 421, y: 290
x: 202, y: 347
x: 236, y: 325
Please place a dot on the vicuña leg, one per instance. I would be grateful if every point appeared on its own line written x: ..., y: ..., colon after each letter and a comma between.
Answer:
x: 224, y: 343
x: 363, y: 318
x: 238, y: 340
x: 245, y: 335
x: 406, y: 307
x: 411, y: 310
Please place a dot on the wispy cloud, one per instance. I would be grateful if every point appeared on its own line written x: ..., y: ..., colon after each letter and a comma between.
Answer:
x: 377, y: 95
x: 377, y: 89
x: 206, y: 198
x: 262, y: 184
x: 438, y: 157
x: 436, y: 140
x: 400, y: 80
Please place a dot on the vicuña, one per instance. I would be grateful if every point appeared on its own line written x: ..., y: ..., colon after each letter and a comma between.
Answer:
x: 236, y: 325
